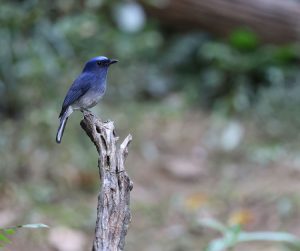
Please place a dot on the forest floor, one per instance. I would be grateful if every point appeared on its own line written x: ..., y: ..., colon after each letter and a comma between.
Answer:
x: 186, y: 165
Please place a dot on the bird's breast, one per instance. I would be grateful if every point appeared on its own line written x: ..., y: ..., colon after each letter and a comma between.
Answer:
x: 90, y: 98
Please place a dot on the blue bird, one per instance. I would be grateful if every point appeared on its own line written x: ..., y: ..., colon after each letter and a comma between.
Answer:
x: 86, y: 91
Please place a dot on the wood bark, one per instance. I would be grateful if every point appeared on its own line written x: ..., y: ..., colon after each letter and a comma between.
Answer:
x: 275, y: 21
x: 113, y: 209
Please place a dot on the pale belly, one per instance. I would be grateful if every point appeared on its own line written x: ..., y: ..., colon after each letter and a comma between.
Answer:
x: 90, y: 99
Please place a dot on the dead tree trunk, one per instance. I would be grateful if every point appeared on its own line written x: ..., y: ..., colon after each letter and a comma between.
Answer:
x: 113, y: 211
x: 274, y: 21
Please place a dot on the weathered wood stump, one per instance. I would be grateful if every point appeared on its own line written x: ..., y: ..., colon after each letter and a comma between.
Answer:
x: 113, y: 210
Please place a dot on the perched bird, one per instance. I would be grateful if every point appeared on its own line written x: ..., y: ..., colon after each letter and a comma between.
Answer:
x: 86, y: 90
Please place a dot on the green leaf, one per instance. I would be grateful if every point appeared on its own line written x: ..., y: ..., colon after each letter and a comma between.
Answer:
x: 285, y: 54
x: 38, y: 225
x: 243, y: 39
x: 218, y: 245
x: 269, y: 236
x: 213, y: 224
x: 9, y: 231
x: 3, y: 238
x: 231, y: 239
x: 232, y: 235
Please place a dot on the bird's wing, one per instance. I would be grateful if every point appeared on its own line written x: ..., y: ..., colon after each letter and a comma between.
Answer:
x: 79, y: 87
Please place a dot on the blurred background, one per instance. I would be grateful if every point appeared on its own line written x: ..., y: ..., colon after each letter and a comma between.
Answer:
x: 208, y: 89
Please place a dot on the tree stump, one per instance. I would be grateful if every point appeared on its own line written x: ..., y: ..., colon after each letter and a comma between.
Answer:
x: 113, y: 209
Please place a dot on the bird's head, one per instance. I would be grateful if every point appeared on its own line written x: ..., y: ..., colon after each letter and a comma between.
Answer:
x: 98, y: 63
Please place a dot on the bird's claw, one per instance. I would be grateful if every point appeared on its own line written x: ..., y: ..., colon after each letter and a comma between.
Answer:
x: 85, y: 112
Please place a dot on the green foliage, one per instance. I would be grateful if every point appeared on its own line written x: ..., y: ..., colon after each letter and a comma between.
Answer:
x: 45, y: 44
x: 44, y: 40
x: 277, y: 109
x: 233, y: 235
x: 229, y: 76
x: 3, y: 239
x: 37, y: 225
x: 6, y: 232
x: 244, y: 39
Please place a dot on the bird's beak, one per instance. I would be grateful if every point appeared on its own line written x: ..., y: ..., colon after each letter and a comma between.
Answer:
x: 113, y: 61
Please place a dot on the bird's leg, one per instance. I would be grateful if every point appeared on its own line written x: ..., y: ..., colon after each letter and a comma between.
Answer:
x: 85, y: 110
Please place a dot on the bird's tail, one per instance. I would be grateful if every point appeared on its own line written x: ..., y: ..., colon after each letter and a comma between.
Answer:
x: 62, y: 124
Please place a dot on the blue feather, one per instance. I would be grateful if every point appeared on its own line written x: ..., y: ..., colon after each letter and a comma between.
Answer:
x: 86, y: 90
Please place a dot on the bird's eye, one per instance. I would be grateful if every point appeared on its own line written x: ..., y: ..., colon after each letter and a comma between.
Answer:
x: 99, y: 63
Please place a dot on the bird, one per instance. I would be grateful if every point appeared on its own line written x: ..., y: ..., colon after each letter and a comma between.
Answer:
x: 86, y: 91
